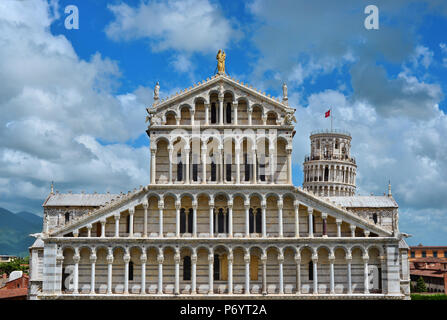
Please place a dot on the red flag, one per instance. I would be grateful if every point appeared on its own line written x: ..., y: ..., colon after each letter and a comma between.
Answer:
x: 327, y: 113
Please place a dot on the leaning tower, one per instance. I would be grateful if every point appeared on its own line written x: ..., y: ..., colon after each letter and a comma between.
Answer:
x: 330, y: 170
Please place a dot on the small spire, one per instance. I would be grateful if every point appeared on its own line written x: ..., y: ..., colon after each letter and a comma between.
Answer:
x: 389, y: 188
x: 52, y: 187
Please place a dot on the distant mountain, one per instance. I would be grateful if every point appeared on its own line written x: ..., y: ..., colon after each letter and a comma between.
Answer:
x: 15, y: 230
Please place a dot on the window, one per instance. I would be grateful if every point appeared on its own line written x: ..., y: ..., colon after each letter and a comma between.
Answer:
x: 216, y: 267
x: 67, y: 217
x: 445, y: 254
x: 258, y: 221
x: 213, y: 113
x: 424, y: 254
x: 228, y: 171
x: 435, y: 254
x: 375, y: 217
x: 179, y: 167
x: 251, y: 219
x: 311, y: 270
x: 213, y: 171
x: 186, y: 217
x: 128, y: 223
x: 187, y: 268
x: 326, y: 174
x: 254, y: 263
x: 413, y: 254
x: 247, y: 168
x: 261, y: 170
x: 228, y: 112
x: 195, y: 169
x: 222, y: 221
x: 182, y: 220
x: 130, y: 270
x: 190, y: 218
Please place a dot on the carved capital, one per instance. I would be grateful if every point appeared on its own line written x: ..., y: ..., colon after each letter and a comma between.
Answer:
x: 160, y: 258
x: 280, y: 204
x: 76, y: 258
x: 310, y: 210
x: 298, y: 258
x: 161, y: 204
x: 280, y: 258
x: 211, y: 258
x: 263, y: 258
x: 131, y: 211
x: 143, y: 258
x: 93, y: 258
x: 145, y: 205
x: 126, y: 258
x: 296, y: 203
x: 315, y: 257
x: 338, y: 221
x: 194, y: 258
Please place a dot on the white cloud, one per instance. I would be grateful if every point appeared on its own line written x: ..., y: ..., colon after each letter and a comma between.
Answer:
x: 185, y: 26
x: 443, y: 47
x: 422, y: 55
x: 55, y: 107
x: 409, y: 151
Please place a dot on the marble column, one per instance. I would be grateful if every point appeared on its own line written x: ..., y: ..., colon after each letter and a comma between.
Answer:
x: 207, y: 112
x: 143, y: 259
x: 109, y: 270
x: 235, y: 113
x: 131, y: 213
x: 264, y: 225
x: 297, y: 218
x: 211, y: 272
x: 92, y: 270
x: 76, y: 259
x: 310, y: 212
x: 315, y: 266
x: 177, y: 272
x: 177, y: 218
x: 126, y: 260
x: 160, y: 259
x: 298, y: 272
x: 89, y: 230
x: 211, y: 219
x: 264, y: 273
x: 289, y: 165
x: 187, y: 169
x: 250, y: 112
x: 230, y: 218
x: 280, y: 222
x: 153, y: 165
x: 352, y: 230
x: 161, y: 206
x: 271, y: 165
x: 203, y: 163
x: 230, y: 272
x: 170, y: 150
x: 324, y: 216
x: 194, y: 219
x: 254, y: 167
x: 247, y: 273
x: 221, y: 110
x: 338, y: 222
x: 194, y: 273
x: 237, y: 158
x: 221, y: 152
x: 281, y: 272
x: 348, y: 263
x: 332, y: 274
x: 103, y: 228
x: 247, y: 218
x: 117, y: 225
x: 365, y: 273
x: 145, y: 207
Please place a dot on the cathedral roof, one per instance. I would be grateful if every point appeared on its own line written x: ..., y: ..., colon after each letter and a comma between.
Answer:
x: 158, y: 104
x: 364, y: 201
x: 78, y: 199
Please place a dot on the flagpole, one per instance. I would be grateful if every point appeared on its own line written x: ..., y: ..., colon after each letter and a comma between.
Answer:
x: 331, y: 118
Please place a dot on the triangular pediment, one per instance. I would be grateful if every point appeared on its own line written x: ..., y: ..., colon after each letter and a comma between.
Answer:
x: 220, y: 83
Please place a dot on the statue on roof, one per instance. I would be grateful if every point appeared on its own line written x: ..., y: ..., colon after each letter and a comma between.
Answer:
x: 220, y: 61
x: 284, y: 92
x: 156, y: 91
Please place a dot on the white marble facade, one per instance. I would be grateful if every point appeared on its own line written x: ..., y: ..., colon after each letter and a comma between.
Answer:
x: 221, y: 217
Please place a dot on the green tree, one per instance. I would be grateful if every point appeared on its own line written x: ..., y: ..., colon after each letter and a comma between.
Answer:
x: 420, y: 285
x: 19, y: 264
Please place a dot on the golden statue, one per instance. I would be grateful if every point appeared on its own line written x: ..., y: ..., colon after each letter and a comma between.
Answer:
x: 221, y: 61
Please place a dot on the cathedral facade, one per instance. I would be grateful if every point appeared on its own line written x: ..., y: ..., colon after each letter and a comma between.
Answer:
x: 221, y: 217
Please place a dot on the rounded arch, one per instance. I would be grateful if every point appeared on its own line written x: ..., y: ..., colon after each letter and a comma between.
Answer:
x: 187, y: 194
x: 240, y: 194
x: 357, y: 246
x: 310, y: 248
x: 154, y: 194
x: 375, y: 246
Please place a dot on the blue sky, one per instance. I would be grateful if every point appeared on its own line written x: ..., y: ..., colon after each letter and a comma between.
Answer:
x: 74, y: 100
